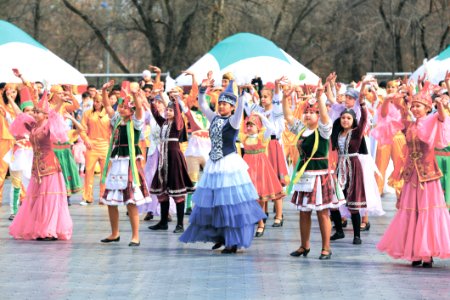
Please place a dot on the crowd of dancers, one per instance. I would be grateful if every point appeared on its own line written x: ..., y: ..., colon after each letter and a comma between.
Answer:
x: 222, y: 153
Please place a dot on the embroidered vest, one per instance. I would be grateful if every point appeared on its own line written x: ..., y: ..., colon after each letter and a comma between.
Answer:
x: 320, y: 158
x: 223, y: 138
x: 421, y: 157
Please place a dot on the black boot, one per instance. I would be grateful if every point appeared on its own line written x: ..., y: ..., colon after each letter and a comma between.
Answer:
x: 162, y: 225
x: 336, y: 217
x: 356, y: 222
x: 180, y: 216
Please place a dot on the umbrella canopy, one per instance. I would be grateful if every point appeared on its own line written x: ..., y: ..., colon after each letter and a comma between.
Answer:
x: 37, y: 63
x: 248, y: 56
x: 435, y: 67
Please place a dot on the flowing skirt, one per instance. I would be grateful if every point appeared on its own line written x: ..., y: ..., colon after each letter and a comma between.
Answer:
x: 263, y: 177
x: 421, y: 227
x: 44, y: 212
x: 68, y: 167
x: 225, y: 207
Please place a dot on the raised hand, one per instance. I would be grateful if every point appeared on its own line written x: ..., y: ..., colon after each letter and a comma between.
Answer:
x: 108, y: 85
x: 154, y: 69
x: 16, y: 73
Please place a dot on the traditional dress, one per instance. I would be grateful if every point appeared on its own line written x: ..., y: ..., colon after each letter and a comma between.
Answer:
x: 357, y: 183
x: 260, y: 170
x: 44, y: 212
x: 225, y: 208
x: 171, y: 177
x: 313, y: 183
x: 125, y: 180
x: 275, y: 151
x: 421, y: 227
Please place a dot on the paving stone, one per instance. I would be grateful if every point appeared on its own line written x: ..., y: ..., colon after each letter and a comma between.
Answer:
x: 163, y: 268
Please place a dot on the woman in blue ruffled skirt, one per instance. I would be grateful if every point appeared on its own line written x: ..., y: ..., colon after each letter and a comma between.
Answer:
x: 226, y: 207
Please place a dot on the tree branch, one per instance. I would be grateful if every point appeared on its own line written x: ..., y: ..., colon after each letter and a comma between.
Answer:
x: 99, y: 35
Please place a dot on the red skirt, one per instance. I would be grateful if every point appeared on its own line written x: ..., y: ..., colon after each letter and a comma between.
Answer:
x: 263, y: 177
x: 278, y: 162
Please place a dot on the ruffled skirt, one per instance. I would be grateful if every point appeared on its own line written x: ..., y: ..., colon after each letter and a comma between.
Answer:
x: 44, y: 212
x: 421, y: 227
x: 317, y: 192
x: 120, y: 188
x: 225, y: 207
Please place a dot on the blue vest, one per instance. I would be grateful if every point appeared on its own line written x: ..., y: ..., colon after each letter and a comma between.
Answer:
x: 223, y: 138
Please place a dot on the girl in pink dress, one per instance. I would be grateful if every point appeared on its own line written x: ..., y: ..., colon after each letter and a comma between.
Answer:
x: 256, y: 139
x: 421, y: 227
x: 44, y: 214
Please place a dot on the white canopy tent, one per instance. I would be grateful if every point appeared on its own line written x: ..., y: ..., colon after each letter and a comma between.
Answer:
x: 248, y: 56
x: 435, y: 68
x: 37, y: 63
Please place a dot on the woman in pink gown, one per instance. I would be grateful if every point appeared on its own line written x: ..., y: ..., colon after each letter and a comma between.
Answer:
x: 420, y: 230
x: 44, y: 214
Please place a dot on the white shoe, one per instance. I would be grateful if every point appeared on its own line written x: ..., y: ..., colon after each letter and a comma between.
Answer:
x: 85, y: 203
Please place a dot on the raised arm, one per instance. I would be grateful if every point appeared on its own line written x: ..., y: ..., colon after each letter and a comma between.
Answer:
x: 287, y: 112
x: 323, y: 112
x: 202, y: 104
x: 178, y: 117
x: 330, y: 87
x: 139, y: 97
x: 236, y: 118
x: 106, y: 104
x: 440, y: 107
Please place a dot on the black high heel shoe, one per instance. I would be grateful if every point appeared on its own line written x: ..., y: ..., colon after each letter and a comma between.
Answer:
x: 325, y: 256
x: 297, y: 253
x: 416, y: 263
x: 260, y: 233
x: 218, y: 244
x: 366, y: 227
x: 428, y: 264
x: 229, y: 250
x: 278, y: 224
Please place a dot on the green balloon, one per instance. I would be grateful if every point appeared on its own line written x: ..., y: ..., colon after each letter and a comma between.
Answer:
x: 302, y: 76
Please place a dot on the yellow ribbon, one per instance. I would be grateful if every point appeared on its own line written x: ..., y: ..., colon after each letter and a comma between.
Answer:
x: 296, y: 176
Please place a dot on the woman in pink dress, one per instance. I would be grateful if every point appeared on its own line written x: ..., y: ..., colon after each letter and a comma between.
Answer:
x: 421, y: 227
x: 44, y: 214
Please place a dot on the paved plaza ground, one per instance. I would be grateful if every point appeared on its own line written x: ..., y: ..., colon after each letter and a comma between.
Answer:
x: 163, y: 268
